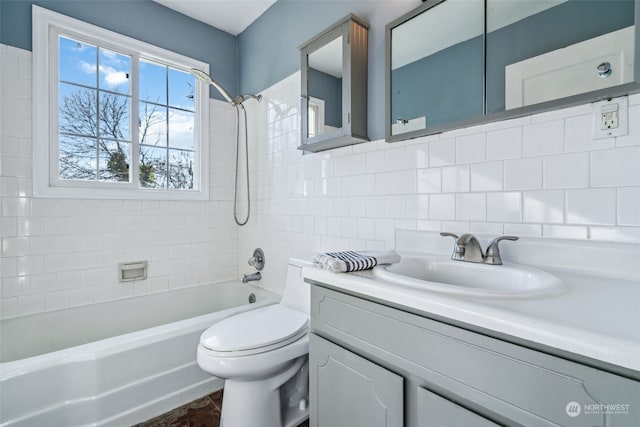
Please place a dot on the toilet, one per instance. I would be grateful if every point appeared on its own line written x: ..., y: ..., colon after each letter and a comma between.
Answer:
x: 262, y: 355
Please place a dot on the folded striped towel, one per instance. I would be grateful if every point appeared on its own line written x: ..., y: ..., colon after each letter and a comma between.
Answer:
x: 348, y: 261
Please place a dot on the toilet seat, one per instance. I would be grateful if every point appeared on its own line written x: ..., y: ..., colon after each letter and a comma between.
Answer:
x: 255, y: 331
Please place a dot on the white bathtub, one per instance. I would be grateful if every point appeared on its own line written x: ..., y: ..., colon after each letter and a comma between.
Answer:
x: 114, y: 363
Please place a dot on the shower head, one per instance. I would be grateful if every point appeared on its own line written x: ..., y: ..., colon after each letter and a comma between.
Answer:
x: 202, y: 76
x: 256, y: 97
x: 238, y: 100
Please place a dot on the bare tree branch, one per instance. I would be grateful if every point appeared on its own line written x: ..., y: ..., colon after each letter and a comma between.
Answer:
x: 95, y: 142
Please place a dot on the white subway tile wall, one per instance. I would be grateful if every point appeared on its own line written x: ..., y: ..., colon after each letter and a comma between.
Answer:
x: 629, y: 206
x: 58, y: 253
x: 541, y: 175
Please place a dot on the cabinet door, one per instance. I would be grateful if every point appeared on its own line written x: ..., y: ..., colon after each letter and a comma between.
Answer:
x: 435, y: 411
x: 349, y: 391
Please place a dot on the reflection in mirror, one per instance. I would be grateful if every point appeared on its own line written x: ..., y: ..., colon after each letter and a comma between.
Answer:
x: 539, y: 55
x: 437, y: 66
x: 541, y: 50
x: 324, y: 86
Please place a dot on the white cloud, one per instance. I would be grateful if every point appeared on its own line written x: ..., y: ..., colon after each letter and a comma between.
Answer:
x: 181, y: 130
x: 112, y: 76
x: 87, y: 68
x: 111, y: 57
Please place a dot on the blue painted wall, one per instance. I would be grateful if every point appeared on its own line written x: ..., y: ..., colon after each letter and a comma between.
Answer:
x: 446, y: 87
x: 290, y: 23
x: 144, y: 20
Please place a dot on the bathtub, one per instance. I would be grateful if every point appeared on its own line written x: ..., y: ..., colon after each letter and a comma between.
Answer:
x: 115, y: 363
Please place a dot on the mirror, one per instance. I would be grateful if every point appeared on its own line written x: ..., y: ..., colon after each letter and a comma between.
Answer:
x: 324, y: 83
x: 437, y: 65
x: 334, y: 86
x: 539, y: 51
x: 448, y: 66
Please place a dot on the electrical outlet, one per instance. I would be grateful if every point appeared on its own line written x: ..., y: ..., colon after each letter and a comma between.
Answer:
x: 610, y: 118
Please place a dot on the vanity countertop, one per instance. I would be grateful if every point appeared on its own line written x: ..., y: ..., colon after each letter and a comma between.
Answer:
x: 595, y: 317
x: 598, y: 316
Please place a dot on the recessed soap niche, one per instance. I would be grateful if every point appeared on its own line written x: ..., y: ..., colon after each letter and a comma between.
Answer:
x: 130, y: 271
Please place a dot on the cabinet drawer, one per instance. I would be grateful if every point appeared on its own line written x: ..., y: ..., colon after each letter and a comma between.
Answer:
x: 435, y: 411
x: 347, y: 390
x: 505, y: 382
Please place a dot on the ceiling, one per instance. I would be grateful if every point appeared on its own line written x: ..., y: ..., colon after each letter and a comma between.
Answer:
x: 328, y: 58
x: 232, y: 16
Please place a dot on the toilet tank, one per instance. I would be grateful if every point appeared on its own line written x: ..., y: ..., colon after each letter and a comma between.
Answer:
x: 296, y: 291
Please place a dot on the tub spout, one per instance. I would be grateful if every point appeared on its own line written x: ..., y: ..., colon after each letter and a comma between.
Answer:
x: 251, y: 277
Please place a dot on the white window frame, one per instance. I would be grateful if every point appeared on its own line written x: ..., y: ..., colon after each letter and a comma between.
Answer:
x: 47, y: 26
x: 317, y: 105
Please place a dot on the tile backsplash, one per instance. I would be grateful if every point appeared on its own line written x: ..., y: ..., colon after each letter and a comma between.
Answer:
x: 58, y: 253
x: 541, y: 175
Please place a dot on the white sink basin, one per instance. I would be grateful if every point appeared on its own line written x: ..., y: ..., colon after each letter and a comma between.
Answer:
x: 440, y: 274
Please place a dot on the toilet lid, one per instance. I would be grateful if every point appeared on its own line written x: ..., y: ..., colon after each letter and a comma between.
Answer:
x: 253, y: 329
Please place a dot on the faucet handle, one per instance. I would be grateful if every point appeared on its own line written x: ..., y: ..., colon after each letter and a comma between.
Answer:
x: 455, y: 236
x: 257, y: 260
x: 492, y: 256
x: 458, y: 252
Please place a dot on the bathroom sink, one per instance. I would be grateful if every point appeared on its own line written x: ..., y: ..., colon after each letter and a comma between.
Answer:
x: 440, y: 274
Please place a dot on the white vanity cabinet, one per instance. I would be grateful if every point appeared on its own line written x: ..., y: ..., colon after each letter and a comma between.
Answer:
x: 372, y: 364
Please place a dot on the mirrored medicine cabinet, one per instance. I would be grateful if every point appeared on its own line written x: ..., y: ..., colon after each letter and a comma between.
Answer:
x: 455, y: 63
x: 334, y: 86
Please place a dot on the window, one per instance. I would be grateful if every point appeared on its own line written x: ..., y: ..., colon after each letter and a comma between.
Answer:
x: 104, y: 102
x: 315, y: 116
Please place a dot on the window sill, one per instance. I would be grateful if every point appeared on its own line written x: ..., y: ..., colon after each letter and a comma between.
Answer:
x: 118, y: 194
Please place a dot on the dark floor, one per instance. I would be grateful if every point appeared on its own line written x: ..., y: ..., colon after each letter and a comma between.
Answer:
x: 203, y: 412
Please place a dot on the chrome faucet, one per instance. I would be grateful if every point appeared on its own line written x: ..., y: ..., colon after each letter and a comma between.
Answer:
x: 251, y: 277
x: 256, y: 261
x: 467, y: 248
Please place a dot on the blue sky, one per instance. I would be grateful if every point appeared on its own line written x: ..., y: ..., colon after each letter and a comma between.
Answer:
x: 84, y: 64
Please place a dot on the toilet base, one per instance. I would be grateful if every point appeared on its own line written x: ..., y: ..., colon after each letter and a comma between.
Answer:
x: 265, y: 402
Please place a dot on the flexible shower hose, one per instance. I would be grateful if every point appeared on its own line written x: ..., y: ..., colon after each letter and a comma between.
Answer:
x: 246, y: 153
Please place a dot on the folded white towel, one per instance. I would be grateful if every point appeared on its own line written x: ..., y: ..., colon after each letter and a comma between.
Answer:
x: 348, y: 261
